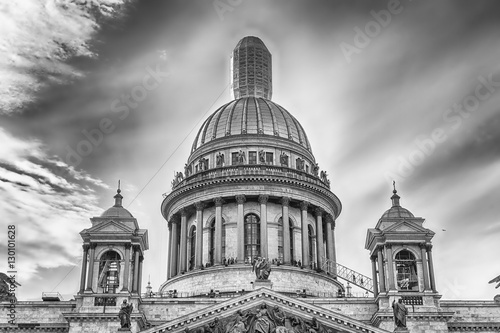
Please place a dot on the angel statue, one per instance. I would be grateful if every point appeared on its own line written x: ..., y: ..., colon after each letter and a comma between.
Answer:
x: 7, y: 284
x: 496, y: 280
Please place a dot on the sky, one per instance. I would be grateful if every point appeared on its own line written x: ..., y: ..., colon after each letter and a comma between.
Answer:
x: 385, y: 90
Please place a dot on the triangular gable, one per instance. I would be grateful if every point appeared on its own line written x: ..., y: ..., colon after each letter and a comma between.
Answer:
x: 292, y: 307
x: 109, y: 227
x: 406, y: 226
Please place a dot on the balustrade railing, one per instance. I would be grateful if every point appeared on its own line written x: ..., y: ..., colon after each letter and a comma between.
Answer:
x: 249, y: 169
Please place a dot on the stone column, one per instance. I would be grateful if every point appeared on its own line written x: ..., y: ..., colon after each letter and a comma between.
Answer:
x: 218, y: 230
x: 320, y: 250
x: 135, y: 284
x: 199, y: 233
x: 183, y: 249
x: 84, y: 267
x: 305, y: 234
x: 139, y: 280
x: 240, y: 229
x: 330, y: 244
x: 169, y: 251
x: 126, y: 269
x: 285, y: 203
x: 431, y: 268
x: 390, y: 266
x: 263, y: 226
x: 381, y: 272
x: 90, y: 275
x: 374, y: 276
x: 425, y: 266
x: 174, y: 248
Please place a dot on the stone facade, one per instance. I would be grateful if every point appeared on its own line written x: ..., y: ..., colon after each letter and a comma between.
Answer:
x: 251, y: 190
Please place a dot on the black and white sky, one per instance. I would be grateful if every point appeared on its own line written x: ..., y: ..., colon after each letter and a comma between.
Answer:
x: 386, y: 90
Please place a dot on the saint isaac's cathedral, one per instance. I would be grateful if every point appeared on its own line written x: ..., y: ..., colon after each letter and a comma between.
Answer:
x: 251, y: 229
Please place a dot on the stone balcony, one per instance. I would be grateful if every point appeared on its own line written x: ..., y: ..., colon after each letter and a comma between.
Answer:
x: 259, y: 170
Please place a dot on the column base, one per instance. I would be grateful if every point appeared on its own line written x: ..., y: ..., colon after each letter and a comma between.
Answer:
x: 262, y: 284
x: 401, y: 330
x: 124, y: 330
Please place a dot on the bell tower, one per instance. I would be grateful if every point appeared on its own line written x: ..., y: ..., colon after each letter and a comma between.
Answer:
x: 113, y: 254
x: 402, y: 265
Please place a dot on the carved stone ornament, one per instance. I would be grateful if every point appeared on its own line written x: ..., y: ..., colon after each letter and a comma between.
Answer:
x: 263, y: 319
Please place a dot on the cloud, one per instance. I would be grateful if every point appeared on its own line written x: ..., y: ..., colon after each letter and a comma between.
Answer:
x: 47, y: 200
x: 38, y: 37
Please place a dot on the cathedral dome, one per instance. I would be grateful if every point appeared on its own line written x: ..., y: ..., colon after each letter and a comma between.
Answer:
x: 251, y: 116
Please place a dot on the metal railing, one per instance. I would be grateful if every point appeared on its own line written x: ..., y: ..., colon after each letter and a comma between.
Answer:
x: 348, y: 274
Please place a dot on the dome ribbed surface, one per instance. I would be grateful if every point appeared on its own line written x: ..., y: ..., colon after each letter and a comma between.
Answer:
x: 251, y: 116
x: 397, y: 212
x: 116, y: 211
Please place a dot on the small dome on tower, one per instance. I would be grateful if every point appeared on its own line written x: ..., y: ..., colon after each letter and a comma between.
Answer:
x: 117, y: 209
x: 396, y: 211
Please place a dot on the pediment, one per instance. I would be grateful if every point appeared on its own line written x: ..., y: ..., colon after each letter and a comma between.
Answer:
x: 110, y: 227
x: 264, y: 307
x: 405, y: 227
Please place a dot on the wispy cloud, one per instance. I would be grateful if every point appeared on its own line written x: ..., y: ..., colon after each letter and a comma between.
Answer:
x: 38, y: 37
x: 49, y: 210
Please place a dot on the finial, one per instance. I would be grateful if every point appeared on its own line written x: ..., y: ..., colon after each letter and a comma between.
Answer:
x: 118, y: 197
x: 395, y: 197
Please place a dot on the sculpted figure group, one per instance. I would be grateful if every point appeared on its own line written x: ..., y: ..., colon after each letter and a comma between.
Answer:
x: 262, y: 320
x: 262, y: 268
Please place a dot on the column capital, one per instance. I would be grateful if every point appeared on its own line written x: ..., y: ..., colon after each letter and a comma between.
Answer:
x: 240, y: 199
x: 183, y: 212
x: 388, y: 246
x: 137, y: 248
x: 199, y: 205
x: 304, y: 205
x: 85, y: 247
x: 373, y: 258
x: 263, y: 198
x: 429, y: 248
x: 218, y: 201
x: 329, y: 219
x: 285, y: 201
x: 318, y: 211
x: 128, y: 246
x: 93, y: 246
x: 422, y: 245
x: 175, y: 219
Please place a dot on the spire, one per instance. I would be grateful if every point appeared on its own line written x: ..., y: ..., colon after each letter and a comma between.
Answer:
x: 149, y: 288
x: 118, y: 197
x: 395, y: 197
x: 251, y: 71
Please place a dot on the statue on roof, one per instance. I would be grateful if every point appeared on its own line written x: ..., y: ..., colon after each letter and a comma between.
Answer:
x: 124, y: 314
x: 400, y: 313
x: 7, y: 288
x: 262, y: 268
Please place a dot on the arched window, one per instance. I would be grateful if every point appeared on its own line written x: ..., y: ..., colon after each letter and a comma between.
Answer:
x: 406, y: 268
x: 310, y: 232
x: 109, y: 271
x: 252, y: 236
x: 280, y: 239
x: 211, y: 252
x: 192, y: 247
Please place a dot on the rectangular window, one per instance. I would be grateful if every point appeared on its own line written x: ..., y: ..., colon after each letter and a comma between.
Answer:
x: 252, y: 157
x: 234, y: 158
x: 269, y: 158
